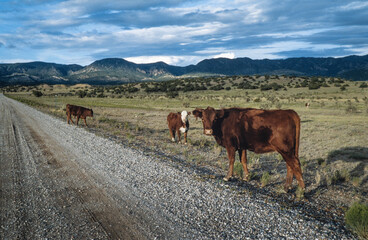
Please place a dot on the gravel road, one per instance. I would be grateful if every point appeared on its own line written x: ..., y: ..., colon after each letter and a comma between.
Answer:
x: 60, y: 181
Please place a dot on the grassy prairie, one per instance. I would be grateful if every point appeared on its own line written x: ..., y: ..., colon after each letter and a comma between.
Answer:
x: 334, y: 131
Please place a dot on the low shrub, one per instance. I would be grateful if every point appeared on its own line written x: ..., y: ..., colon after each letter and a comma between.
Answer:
x: 265, y: 179
x: 338, y: 177
x: 356, y: 218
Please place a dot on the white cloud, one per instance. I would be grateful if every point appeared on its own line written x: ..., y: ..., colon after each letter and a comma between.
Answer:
x: 167, y: 33
x: 16, y: 60
x: 274, y: 50
x: 353, y: 6
x: 295, y: 34
x: 360, y: 50
x: 230, y: 55
x: 171, y: 60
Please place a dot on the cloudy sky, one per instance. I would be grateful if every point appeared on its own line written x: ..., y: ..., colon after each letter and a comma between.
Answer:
x: 179, y: 32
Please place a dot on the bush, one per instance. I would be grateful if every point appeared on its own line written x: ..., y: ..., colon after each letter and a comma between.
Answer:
x: 273, y: 86
x: 356, y: 218
x: 216, y: 88
x: 338, y: 177
x: 351, y: 108
x: 246, y: 85
x: 37, y: 93
x: 172, y: 94
x: 81, y: 93
x: 314, y: 85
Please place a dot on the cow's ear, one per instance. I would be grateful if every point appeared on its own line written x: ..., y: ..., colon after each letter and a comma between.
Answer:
x: 189, y: 113
x: 197, y: 113
x: 220, y: 113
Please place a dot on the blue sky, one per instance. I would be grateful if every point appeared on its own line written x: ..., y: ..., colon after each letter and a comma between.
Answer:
x: 179, y: 32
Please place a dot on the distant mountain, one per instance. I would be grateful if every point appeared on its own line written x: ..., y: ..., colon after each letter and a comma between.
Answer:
x: 35, y: 73
x: 118, y: 70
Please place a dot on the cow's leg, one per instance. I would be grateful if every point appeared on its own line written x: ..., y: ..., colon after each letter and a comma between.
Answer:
x: 289, y: 177
x: 295, y: 165
x: 178, y: 133
x: 243, y: 160
x: 85, y: 122
x: 293, y: 169
x: 67, y: 118
x: 185, y: 137
x: 172, y: 133
x: 231, y: 156
x: 71, y: 118
x: 78, y: 119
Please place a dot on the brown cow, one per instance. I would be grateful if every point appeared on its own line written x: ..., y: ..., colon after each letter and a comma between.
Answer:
x: 178, y: 122
x: 256, y: 130
x: 79, y: 112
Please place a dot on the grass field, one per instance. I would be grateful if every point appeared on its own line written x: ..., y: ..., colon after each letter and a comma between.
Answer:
x: 334, y: 131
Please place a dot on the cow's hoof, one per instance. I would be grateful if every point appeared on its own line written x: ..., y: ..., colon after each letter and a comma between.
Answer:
x: 226, y: 179
x: 246, y: 178
x: 286, y: 189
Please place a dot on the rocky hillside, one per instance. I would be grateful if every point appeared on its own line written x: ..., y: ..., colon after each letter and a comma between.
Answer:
x: 118, y: 70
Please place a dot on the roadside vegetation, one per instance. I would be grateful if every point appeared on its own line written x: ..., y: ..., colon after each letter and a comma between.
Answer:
x: 334, y: 131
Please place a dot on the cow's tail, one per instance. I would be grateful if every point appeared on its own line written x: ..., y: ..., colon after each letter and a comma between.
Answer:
x: 297, y: 133
x: 66, y: 108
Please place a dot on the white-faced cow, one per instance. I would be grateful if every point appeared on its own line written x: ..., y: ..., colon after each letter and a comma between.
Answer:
x: 256, y: 130
x: 178, y: 122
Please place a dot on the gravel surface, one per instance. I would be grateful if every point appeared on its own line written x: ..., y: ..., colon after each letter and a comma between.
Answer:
x: 60, y: 181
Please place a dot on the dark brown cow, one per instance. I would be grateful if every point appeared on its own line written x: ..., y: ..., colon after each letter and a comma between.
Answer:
x: 178, y: 122
x: 256, y: 130
x: 79, y: 112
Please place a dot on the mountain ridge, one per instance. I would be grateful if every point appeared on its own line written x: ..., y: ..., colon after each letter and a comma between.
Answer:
x: 119, y: 70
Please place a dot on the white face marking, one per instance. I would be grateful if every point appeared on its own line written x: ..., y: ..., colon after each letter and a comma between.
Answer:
x: 182, y: 129
x: 184, y: 116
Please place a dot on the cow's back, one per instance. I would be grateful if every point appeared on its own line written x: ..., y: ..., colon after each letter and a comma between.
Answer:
x: 75, y: 110
x: 272, y: 130
x: 173, y: 120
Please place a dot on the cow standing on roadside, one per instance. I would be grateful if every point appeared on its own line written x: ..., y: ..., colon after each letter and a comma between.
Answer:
x: 79, y: 112
x: 178, y: 122
x: 256, y: 130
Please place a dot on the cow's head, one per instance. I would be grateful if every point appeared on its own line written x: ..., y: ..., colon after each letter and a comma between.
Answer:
x: 184, y: 116
x: 90, y: 112
x: 209, y: 117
